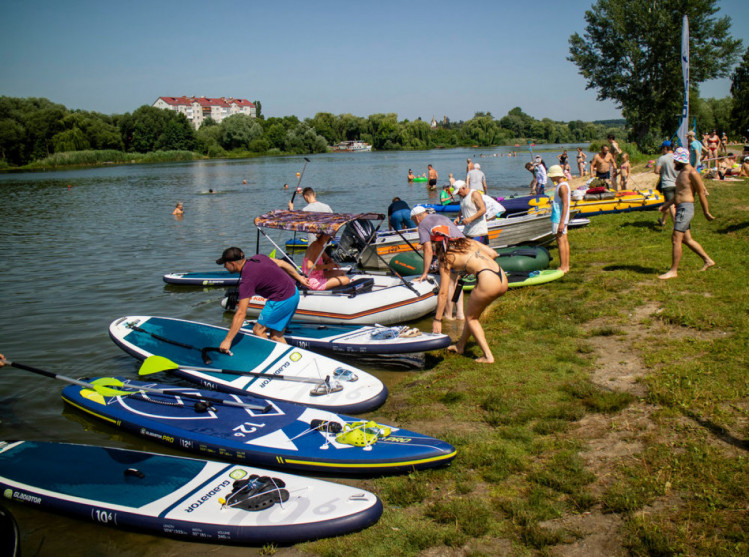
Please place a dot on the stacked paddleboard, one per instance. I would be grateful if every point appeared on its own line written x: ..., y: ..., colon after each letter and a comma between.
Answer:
x: 257, y: 366
x: 255, y: 431
x: 180, y: 497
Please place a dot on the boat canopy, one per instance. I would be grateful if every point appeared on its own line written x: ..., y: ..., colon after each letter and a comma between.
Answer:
x: 311, y: 222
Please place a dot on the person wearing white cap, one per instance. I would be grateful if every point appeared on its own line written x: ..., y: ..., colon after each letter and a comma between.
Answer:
x: 424, y: 224
x: 688, y: 183
x: 472, y: 212
x: 476, y: 179
x: 560, y: 215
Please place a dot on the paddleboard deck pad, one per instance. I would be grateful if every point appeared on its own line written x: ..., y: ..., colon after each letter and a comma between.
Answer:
x: 364, y: 339
x: 180, y: 497
x: 273, y: 434
x: 184, y: 342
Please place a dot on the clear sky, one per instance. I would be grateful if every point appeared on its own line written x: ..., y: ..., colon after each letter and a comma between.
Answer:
x: 416, y: 58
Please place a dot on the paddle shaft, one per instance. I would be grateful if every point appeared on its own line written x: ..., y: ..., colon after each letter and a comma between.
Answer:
x: 291, y: 378
x: 136, y: 389
x: 293, y: 195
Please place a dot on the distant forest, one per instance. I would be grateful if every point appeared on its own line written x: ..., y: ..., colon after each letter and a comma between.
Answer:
x: 35, y: 132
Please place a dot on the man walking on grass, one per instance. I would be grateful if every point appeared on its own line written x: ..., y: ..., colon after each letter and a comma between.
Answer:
x: 688, y: 183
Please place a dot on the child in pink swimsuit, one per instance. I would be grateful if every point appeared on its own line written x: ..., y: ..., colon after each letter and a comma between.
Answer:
x: 325, y: 274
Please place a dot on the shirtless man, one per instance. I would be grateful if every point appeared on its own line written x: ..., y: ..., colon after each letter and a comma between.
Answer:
x: 602, y: 163
x: 615, y: 154
x: 432, y: 178
x: 688, y: 183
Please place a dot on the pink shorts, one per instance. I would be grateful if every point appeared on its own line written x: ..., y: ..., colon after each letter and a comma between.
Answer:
x: 317, y: 280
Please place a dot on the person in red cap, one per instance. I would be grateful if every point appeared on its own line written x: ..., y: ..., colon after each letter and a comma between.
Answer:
x: 688, y: 184
x: 467, y: 256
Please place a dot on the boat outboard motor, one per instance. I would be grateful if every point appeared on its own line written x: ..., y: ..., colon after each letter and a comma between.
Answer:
x: 355, y: 237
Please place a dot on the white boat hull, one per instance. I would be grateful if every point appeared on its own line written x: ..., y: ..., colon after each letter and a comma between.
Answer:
x: 389, y: 302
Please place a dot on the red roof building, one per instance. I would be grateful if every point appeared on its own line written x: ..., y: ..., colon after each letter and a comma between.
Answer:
x: 197, y: 109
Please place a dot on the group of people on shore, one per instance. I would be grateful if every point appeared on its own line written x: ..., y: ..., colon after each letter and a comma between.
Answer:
x: 465, y: 251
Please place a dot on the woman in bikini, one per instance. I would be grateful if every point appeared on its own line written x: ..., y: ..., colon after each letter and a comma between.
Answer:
x: 469, y: 257
x: 322, y: 272
x: 581, y: 161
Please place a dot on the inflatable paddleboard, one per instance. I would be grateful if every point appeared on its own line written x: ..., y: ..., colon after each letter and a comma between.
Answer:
x: 207, y: 278
x: 365, y: 339
x: 180, y: 497
x: 265, y: 433
x: 520, y: 279
x: 184, y: 342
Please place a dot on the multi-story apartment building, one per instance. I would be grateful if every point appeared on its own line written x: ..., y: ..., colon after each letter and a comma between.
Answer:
x: 197, y: 109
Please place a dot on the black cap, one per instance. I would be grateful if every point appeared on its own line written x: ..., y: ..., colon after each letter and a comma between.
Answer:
x: 230, y: 254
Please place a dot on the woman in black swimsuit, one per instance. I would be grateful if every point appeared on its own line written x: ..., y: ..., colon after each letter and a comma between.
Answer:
x: 470, y: 257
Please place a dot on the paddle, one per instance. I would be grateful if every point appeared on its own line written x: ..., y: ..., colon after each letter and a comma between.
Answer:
x: 293, y: 195
x: 103, y: 386
x: 157, y: 364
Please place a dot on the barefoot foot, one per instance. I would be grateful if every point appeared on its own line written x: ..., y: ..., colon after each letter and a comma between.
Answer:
x: 709, y: 263
x: 670, y: 274
x: 484, y: 360
x: 454, y: 349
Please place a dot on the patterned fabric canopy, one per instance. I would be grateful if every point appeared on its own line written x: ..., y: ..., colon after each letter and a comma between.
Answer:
x: 308, y: 221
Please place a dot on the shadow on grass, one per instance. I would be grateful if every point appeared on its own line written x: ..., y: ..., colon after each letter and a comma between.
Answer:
x: 733, y: 228
x: 649, y: 224
x: 719, y: 431
x: 634, y: 268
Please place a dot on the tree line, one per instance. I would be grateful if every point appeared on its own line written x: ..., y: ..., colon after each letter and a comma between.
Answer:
x: 34, y: 129
x: 629, y: 52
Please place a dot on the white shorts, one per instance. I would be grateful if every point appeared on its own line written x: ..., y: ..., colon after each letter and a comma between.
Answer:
x: 555, y: 227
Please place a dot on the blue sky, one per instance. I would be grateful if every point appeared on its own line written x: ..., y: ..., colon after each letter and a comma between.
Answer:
x: 416, y: 58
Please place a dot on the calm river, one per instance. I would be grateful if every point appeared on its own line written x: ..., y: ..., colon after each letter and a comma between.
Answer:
x: 81, y: 248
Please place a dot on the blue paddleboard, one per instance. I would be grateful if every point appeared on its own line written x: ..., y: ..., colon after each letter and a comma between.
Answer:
x: 274, y: 434
x: 207, y: 278
x: 360, y: 339
x: 180, y: 497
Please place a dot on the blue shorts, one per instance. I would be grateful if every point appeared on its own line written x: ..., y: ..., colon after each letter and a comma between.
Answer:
x: 276, y: 315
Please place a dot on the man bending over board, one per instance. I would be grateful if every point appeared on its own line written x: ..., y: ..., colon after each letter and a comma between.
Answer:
x: 270, y: 278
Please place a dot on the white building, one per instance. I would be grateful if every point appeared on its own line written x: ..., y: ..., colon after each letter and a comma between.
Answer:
x: 198, y: 109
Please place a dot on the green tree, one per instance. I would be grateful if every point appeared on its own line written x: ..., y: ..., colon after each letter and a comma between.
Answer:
x: 630, y: 53
x: 238, y: 130
x: 303, y: 139
x: 740, y: 94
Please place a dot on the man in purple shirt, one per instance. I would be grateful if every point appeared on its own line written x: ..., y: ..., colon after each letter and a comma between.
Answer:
x: 273, y: 279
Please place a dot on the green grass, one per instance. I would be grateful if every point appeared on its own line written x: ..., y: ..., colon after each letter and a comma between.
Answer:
x: 517, y: 423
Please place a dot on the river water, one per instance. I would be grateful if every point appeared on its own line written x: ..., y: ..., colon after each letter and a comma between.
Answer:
x: 80, y: 248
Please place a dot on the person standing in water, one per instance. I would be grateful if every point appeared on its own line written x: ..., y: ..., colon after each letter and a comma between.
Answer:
x: 178, y: 210
x: 688, y: 184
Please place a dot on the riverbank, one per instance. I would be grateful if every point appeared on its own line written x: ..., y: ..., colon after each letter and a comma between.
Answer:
x: 615, y: 420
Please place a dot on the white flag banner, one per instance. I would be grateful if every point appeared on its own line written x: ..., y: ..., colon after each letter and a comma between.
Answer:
x: 684, y: 125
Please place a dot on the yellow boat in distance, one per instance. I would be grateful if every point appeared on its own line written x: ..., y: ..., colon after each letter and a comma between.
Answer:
x: 601, y: 204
